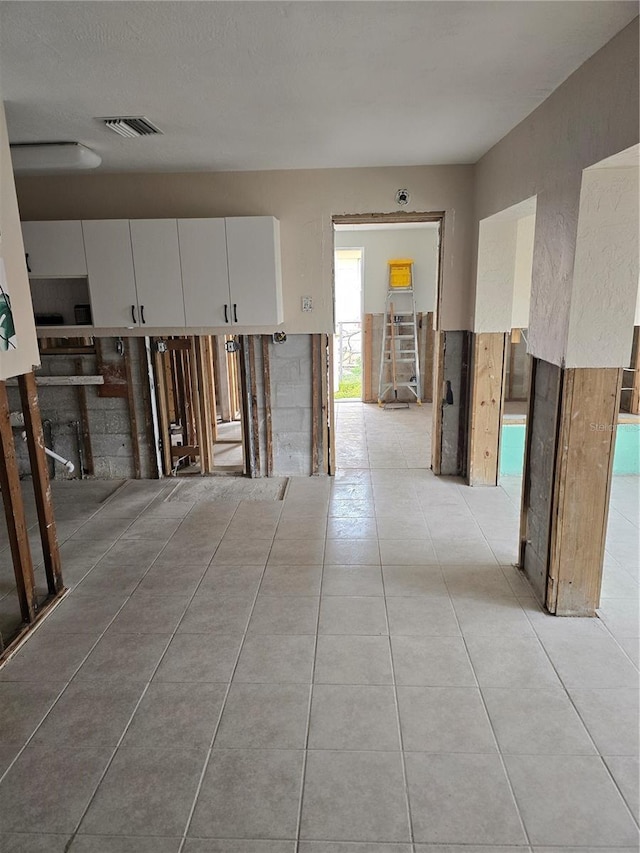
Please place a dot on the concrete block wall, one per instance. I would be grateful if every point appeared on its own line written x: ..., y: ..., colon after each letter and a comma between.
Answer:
x: 291, y: 405
x: 109, y: 422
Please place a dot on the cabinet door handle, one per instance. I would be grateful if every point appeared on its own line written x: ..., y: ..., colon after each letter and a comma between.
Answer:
x: 226, y: 313
x: 133, y: 314
x: 142, y: 314
x: 235, y: 313
x: 26, y: 259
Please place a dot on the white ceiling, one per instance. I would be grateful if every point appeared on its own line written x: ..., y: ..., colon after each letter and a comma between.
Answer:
x: 274, y: 85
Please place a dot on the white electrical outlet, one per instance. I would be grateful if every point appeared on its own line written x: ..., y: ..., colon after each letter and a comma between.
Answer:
x: 307, y: 303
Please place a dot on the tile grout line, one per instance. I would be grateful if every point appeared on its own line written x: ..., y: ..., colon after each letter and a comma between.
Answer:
x: 84, y: 659
x: 311, y: 689
x: 598, y: 753
x: 405, y: 775
x: 147, y: 684
x: 491, y: 726
x: 210, y: 749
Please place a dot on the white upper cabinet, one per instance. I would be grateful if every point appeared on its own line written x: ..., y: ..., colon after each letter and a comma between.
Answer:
x: 54, y: 249
x: 156, y: 261
x: 112, y: 283
x: 205, y: 276
x: 166, y: 273
x: 255, y: 278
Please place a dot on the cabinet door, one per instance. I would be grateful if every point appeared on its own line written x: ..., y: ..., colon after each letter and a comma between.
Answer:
x: 54, y: 249
x: 156, y: 261
x: 205, y: 277
x: 112, y: 283
x: 255, y: 280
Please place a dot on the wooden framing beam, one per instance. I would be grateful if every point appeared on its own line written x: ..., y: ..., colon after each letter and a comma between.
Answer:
x: 81, y: 393
x: 205, y: 439
x: 246, y: 401
x: 146, y: 408
x: 41, y: 484
x: 196, y: 402
x: 324, y: 401
x: 315, y: 404
x: 367, y: 360
x: 438, y: 396
x: 131, y: 405
x: 487, y: 403
x: 426, y: 365
x: 163, y: 414
x: 14, y: 514
x: 331, y: 469
x: 266, y: 382
x: 630, y: 399
x: 207, y: 356
x: 526, y: 474
x: 582, y: 483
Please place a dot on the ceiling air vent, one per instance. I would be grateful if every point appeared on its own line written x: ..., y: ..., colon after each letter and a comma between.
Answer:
x: 131, y: 126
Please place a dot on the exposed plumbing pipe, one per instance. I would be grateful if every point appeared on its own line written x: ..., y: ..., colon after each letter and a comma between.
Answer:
x: 66, y: 462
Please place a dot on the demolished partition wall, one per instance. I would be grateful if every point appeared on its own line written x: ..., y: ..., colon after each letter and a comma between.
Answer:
x: 21, y: 601
x: 580, y: 327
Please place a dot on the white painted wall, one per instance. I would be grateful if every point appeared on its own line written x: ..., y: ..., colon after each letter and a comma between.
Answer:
x: 503, y: 275
x: 303, y: 201
x: 523, y: 271
x: 605, y: 276
x: 25, y: 356
x: 494, y: 281
x: 592, y: 115
x: 379, y: 247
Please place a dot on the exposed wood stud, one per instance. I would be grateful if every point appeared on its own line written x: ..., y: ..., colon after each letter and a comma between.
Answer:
x: 211, y: 385
x: 41, y: 484
x: 438, y: 396
x: 367, y: 359
x: 245, y: 408
x: 315, y: 403
x: 630, y: 398
x: 146, y: 408
x: 487, y: 402
x: 195, y: 393
x: 81, y: 393
x: 131, y: 404
x: 204, y: 404
x: 526, y: 481
x: 324, y: 403
x: 426, y: 365
x: 582, y: 482
x: 331, y: 469
x: 266, y: 381
x: 373, y: 218
x: 163, y: 415
x: 14, y: 514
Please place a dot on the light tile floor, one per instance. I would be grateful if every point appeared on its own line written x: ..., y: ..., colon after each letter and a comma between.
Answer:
x: 357, y: 669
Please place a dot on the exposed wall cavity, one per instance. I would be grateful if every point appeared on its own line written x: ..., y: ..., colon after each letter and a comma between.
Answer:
x: 455, y: 403
x: 539, y: 476
x: 108, y: 451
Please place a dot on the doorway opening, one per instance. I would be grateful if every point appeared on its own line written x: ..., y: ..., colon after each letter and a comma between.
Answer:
x: 347, y: 359
x: 363, y: 247
x: 199, y: 403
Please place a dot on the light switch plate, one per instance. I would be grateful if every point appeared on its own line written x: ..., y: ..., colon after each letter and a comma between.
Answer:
x: 307, y: 303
